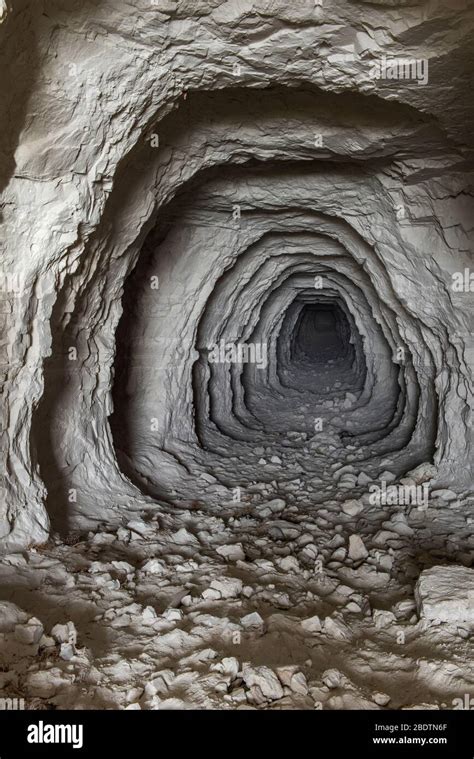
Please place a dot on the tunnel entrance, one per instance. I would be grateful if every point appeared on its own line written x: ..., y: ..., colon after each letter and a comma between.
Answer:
x: 321, y: 335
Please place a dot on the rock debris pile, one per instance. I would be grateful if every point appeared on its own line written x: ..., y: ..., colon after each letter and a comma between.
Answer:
x: 288, y: 611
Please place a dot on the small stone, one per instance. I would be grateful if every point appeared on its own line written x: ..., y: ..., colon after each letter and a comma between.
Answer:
x: 28, y: 635
x: 353, y: 607
x: 173, y: 615
x: 184, y: 538
x: 381, y: 699
x: 332, y: 678
x: 387, y: 476
x: 46, y: 642
x: 252, y: 620
x: 312, y: 624
x: 154, y: 566
x: 123, y: 534
x: 383, y: 618
x: 149, y: 615
x: 139, y: 527
x: 232, y: 552
x: 298, y: 684
x: 264, y: 679
x: 289, y: 564
x: 352, y: 507
x: 67, y: 651
x: 336, y: 542
x: 238, y: 696
x: 444, y: 494
x: 422, y: 473
x: 65, y: 633
x: 398, y: 524
x: 276, y: 505
x: 228, y: 666
x: 336, y: 629
x: 357, y: 549
x: 226, y: 587
x: 286, y: 673
x: 404, y: 608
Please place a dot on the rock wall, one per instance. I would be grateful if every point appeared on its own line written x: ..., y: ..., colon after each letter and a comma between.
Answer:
x: 181, y: 175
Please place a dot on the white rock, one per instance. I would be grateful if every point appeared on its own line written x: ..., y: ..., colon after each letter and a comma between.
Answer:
x: 226, y: 587
x: 352, y: 507
x: 123, y: 534
x: 270, y: 507
x: 148, y: 615
x: 332, y: 678
x: 446, y: 594
x: 67, y: 651
x: 184, y: 538
x: 383, y: 618
x: 265, y: 680
x: 65, y: 633
x: 336, y: 629
x: 387, y: 476
x: 123, y: 566
x: 299, y: 684
x: 290, y: 677
x: 232, y: 552
x: 381, y: 699
x: 357, y: 549
x: 422, y: 473
x: 10, y: 616
x: 238, y: 696
x: 141, y: 528
x: 45, y: 683
x: 312, y: 624
x: 29, y: 634
x: 289, y: 564
x: 398, y: 524
x: 46, y: 642
x: 154, y: 566
x: 228, y: 666
x: 444, y: 494
x: 252, y: 620
x: 173, y: 615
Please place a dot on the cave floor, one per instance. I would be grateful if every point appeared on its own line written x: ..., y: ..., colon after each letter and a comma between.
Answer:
x: 261, y: 607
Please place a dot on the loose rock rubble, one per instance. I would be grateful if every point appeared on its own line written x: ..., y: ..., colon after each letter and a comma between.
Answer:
x: 160, y: 623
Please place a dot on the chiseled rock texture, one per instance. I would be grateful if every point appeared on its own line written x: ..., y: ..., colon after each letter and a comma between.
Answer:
x: 446, y: 594
x: 233, y: 151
